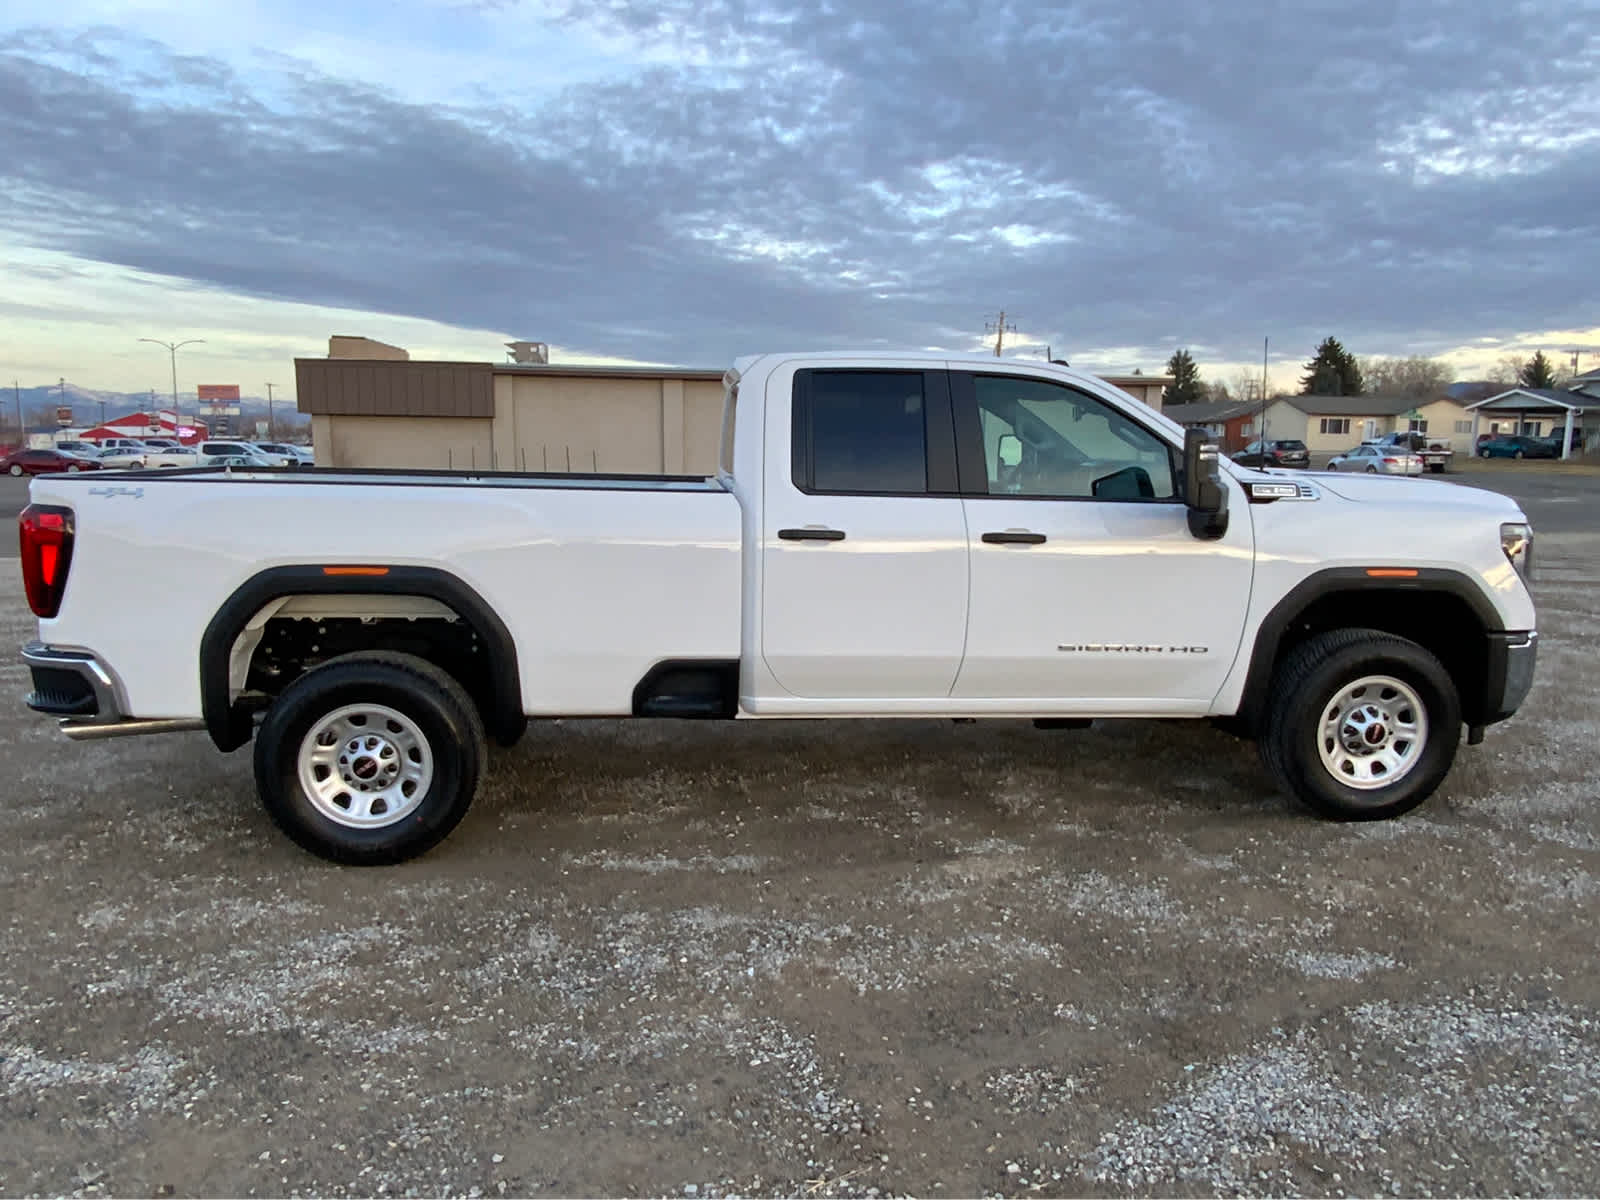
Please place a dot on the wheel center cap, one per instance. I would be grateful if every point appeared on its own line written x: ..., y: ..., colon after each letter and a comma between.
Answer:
x: 1375, y: 734
x: 364, y: 767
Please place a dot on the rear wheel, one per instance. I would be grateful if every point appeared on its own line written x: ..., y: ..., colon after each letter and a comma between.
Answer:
x: 1516, y: 454
x: 1372, y: 470
x: 1483, y: 454
x: 15, y: 469
x: 1361, y: 725
x: 72, y: 469
x: 369, y: 758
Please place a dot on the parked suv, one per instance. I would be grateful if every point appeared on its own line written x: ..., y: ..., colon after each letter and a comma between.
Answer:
x: 1283, y: 452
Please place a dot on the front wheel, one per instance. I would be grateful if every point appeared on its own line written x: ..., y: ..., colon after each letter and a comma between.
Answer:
x: 1361, y: 725
x: 1516, y: 454
x: 370, y: 758
x: 73, y: 469
x: 1483, y: 454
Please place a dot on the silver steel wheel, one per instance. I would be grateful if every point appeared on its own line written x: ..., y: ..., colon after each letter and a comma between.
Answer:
x: 1373, y: 732
x: 365, y: 766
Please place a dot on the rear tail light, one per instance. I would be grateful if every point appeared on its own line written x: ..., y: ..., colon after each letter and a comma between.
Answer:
x: 1391, y: 461
x: 46, y: 534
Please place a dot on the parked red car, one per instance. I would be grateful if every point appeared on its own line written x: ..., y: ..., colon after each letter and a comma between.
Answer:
x: 45, y: 462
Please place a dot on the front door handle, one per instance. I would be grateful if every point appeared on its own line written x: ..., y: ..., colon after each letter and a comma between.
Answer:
x: 1014, y: 537
x: 811, y: 535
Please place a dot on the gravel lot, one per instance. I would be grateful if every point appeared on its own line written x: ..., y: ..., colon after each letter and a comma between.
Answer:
x: 817, y: 959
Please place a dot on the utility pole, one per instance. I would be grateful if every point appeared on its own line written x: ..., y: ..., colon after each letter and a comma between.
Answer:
x: 1264, y: 343
x: 172, y: 349
x: 1000, y: 328
x: 271, y: 435
x: 22, y: 431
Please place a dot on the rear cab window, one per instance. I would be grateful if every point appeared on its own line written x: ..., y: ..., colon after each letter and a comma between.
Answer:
x: 872, y: 432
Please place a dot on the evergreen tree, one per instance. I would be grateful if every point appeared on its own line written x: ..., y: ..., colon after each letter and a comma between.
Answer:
x: 1333, y: 371
x: 1537, y: 372
x: 1186, y: 386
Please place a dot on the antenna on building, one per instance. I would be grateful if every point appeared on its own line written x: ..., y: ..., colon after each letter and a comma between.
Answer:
x: 528, y: 352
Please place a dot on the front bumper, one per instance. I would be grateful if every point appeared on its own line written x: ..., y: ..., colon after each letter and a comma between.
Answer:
x: 1510, y: 676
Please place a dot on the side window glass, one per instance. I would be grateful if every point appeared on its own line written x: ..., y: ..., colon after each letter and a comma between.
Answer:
x: 867, y: 432
x: 1043, y: 439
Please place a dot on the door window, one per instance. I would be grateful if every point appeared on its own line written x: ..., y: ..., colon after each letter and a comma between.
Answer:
x: 1043, y: 439
x: 861, y: 432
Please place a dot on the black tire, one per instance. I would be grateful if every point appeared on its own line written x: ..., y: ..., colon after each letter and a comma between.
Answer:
x: 1372, y: 470
x: 1516, y: 454
x: 15, y: 469
x: 1311, y: 678
x: 1436, y: 468
x: 424, y: 695
x: 1483, y: 454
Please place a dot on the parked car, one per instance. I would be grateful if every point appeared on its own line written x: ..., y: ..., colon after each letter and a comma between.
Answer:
x: 1435, y: 453
x: 121, y: 443
x: 252, y: 461
x: 123, y: 458
x: 173, y: 456
x: 47, y: 462
x: 1556, y: 438
x: 161, y: 443
x: 211, y: 453
x: 292, y: 456
x: 1517, y: 445
x: 1275, y: 452
x: 83, y: 449
x: 1374, y: 461
x: 886, y: 538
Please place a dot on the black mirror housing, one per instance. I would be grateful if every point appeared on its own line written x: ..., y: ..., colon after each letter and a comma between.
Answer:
x: 1203, y: 492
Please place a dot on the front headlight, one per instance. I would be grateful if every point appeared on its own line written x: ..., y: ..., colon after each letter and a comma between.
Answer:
x: 1517, y: 541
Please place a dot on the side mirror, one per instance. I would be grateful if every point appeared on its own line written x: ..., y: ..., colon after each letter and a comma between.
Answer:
x: 1203, y: 491
x: 1010, y: 450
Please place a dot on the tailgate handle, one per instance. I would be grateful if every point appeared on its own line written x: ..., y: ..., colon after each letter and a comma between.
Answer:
x: 811, y: 535
x: 1014, y: 537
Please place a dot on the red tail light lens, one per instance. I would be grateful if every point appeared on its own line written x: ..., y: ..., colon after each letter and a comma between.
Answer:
x: 46, y: 533
x: 1391, y: 461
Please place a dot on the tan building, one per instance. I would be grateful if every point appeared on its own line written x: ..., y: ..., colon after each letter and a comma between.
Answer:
x: 371, y: 405
x: 1329, y: 424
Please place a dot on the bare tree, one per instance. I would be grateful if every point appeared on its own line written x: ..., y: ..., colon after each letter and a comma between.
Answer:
x: 1414, y: 376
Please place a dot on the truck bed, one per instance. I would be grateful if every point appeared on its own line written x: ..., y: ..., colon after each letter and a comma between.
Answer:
x: 597, y: 577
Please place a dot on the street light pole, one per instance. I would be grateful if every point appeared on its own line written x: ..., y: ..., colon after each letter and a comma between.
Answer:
x: 271, y: 433
x: 172, y: 349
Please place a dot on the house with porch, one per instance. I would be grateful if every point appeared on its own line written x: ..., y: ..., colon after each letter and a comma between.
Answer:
x: 1330, y: 424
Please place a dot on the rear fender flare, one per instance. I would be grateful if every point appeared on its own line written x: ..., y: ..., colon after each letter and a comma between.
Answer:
x: 230, y: 727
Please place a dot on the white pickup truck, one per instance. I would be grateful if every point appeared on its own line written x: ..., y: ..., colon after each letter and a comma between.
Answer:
x: 886, y: 536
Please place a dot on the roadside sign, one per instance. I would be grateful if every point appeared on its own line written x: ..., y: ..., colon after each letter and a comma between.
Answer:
x: 63, y: 416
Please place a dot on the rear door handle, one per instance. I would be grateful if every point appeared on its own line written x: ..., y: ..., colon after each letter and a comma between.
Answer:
x: 1014, y: 537
x: 811, y: 535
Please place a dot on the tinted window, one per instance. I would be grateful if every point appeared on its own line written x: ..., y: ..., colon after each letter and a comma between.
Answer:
x: 867, y: 432
x: 1043, y: 439
x: 1291, y: 445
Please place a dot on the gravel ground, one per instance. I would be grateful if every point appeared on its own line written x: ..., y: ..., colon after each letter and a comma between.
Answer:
x: 816, y: 959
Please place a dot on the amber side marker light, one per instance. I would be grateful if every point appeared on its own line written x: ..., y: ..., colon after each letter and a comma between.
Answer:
x: 357, y: 570
x: 1392, y: 572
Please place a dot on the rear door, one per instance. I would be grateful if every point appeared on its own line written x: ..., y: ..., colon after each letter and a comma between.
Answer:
x: 864, y: 547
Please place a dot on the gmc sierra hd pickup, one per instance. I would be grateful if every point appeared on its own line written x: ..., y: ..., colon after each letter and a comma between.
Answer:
x: 885, y: 536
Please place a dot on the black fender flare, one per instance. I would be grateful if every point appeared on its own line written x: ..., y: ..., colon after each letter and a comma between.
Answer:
x: 1332, y: 580
x: 230, y: 727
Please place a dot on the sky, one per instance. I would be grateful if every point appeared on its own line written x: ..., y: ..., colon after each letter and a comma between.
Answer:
x: 686, y: 181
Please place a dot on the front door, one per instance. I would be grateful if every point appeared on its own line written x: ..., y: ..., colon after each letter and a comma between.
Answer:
x: 864, y: 561
x: 1088, y: 590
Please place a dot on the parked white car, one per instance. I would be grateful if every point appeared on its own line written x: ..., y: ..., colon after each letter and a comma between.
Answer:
x: 1376, y: 461
x: 212, y: 454
x: 291, y: 456
x: 886, y: 535
x: 173, y: 456
x: 123, y: 458
x: 247, y: 461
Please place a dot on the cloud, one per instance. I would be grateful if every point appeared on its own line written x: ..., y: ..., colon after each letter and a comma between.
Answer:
x: 1118, y: 174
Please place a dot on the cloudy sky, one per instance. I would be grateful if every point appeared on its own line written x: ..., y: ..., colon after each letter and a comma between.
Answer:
x: 688, y: 180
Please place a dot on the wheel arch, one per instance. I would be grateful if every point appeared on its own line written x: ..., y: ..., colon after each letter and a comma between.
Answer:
x: 1444, y: 611
x: 230, y: 725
